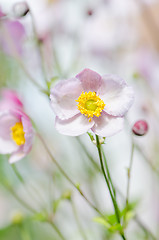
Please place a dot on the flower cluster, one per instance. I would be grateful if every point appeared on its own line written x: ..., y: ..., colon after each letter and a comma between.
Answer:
x: 16, y: 132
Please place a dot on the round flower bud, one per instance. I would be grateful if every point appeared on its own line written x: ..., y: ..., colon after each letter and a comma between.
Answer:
x: 17, y: 217
x: 89, y: 12
x: 20, y: 9
x: 140, y: 128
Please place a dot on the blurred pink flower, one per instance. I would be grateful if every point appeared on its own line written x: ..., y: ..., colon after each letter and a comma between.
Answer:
x: 16, y: 132
x: 12, y: 34
x: 90, y: 101
x: 46, y: 14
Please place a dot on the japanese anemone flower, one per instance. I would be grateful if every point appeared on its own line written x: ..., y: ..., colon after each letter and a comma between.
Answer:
x: 90, y: 101
x: 16, y: 132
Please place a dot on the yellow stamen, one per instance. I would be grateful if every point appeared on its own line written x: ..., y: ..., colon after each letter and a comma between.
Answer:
x: 90, y: 104
x: 17, y: 133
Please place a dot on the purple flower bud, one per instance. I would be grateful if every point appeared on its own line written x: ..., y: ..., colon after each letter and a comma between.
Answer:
x: 20, y: 9
x: 89, y: 12
x: 140, y: 128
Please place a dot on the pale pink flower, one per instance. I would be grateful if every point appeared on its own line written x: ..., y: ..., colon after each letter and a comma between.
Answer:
x: 16, y: 131
x: 10, y: 100
x: 90, y: 101
x: 12, y: 34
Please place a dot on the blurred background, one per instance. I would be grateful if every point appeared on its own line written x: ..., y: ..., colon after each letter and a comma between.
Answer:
x: 55, y: 40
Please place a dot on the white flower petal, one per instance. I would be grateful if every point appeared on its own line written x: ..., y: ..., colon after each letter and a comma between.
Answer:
x: 63, y: 97
x: 7, y: 146
x: 7, y: 120
x: 117, y: 96
x: 106, y: 125
x: 74, y: 126
x: 16, y: 156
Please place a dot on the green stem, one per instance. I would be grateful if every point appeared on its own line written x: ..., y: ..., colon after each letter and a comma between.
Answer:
x: 19, y: 176
x: 129, y: 175
x: 24, y: 234
x: 39, y: 44
x: 67, y: 177
x: 88, y: 154
x: 108, y: 184
x: 137, y: 219
x: 77, y: 221
x: 21, y: 201
x: 30, y: 192
x: 108, y: 173
x: 57, y: 230
x: 106, y: 179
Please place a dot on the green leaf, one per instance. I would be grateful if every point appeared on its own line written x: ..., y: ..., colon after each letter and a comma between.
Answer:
x: 116, y: 227
x: 91, y: 136
x: 112, y: 219
x: 56, y: 204
x: 102, y: 221
x: 112, y: 228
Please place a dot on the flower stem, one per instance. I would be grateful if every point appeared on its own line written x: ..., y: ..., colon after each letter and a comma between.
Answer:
x: 137, y: 219
x: 31, y: 192
x: 21, y: 201
x: 117, y: 213
x: 96, y: 165
x: 57, y: 230
x: 108, y: 173
x: 129, y: 174
x: 67, y: 177
x: 77, y: 221
x: 107, y: 180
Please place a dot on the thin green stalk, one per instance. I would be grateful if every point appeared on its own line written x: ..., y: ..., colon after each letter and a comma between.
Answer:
x: 21, y: 201
x: 24, y: 234
x: 57, y: 230
x: 21, y: 179
x: 88, y: 154
x: 16, y: 56
x: 108, y: 184
x: 108, y: 173
x: 67, y: 177
x: 28, y: 207
x: 39, y: 44
x: 144, y: 228
x: 137, y: 219
x: 153, y: 168
x: 77, y: 221
x: 106, y: 179
x: 129, y: 175
x: 19, y: 176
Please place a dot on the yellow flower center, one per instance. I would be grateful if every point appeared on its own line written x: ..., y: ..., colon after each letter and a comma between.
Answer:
x: 17, y: 133
x: 90, y: 104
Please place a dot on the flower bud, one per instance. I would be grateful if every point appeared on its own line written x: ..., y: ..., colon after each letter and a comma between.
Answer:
x: 17, y: 217
x: 89, y: 12
x: 140, y: 128
x: 20, y: 9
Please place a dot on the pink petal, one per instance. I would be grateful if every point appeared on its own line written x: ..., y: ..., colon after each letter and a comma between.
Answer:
x: 91, y: 81
x: 106, y: 125
x: 16, y: 156
x: 9, y: 100
x: 117, y: 96
x: 29, y: 134
x: 12, y: 36
x: 74, y: 126
x: 7, y: 120
x: 63, y: 97
x: 7, y: 146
